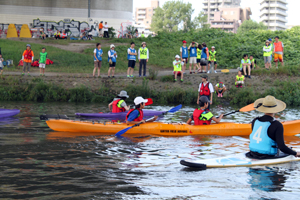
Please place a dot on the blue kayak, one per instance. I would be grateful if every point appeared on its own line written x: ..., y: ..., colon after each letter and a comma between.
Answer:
x: 8, y: 112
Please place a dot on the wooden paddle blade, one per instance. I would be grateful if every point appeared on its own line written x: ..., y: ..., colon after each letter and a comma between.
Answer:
x: 248, y: 108
x: 150, y: 101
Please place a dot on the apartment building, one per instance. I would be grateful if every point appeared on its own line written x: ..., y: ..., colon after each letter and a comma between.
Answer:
x: 143, y: 16
x: 212, y: 6
x: 273, y: 14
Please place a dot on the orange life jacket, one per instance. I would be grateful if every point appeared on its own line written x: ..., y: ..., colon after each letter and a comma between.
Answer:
x: 204, y: 90
x: 115, y: 108
x: 197, y: 114
x: 278, y: 46
x: 139, y: 118
x: 28, y: 55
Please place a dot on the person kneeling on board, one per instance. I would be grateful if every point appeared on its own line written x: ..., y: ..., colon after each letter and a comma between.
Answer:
x: 267, y: 134
x: 136, y: 115
x: 118, y: 104
x: 202, y: 115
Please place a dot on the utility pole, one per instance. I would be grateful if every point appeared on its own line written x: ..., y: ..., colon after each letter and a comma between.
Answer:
x: 89, y: 8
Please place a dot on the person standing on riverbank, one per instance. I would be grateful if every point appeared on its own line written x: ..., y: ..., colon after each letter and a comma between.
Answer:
x: 131, y: 57
x: 112, y: 60
x: 101, y: 29
x: 204, y: 57
x: 1, y: 64
x: 202, y: 115
x: 177, y: 64
x: 267, y: 54
x: 212, y: 60
x: 27, y: 58
x: 184, y: 54
x: 118, y: 104
x: 245, y: 64
x: 105, y: 29
x: 143, y: 57
x: 199, y: 50
x: 267, y: 137
x: 97, y: 59
x: 278, y: 51
x: 272, y: 48
x: 193, y: 56
x: 205, y: 89
x: 42, y: 61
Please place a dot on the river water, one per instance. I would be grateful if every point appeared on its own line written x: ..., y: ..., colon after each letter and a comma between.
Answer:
x: 38, y: 163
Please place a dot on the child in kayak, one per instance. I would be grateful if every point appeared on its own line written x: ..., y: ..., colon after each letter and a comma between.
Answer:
x: 203, y: 116
x: 118, y: 104
x: 267, y: 133
x: 136, y: 115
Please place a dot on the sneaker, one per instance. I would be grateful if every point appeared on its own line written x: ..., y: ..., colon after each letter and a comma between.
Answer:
x: 128, y: 76
x: 140, y: 76
x: 22, y: 74
x: 131, y: 76
x: 221, y: 95
x: 28, y: 74
x: 144, y: 76
x: 216, y: 71
x: 184, y: 72
x: 237, y: 86
x: 246, y: 76
x: 41, y: 74
x: 249, y: 76
x: 241, y: 86
x: 191, y: 72
x: 108, y: 76
x: 113, y: 76
x: 208, y: 72
x: 175, y: 80
x: 181, y: 80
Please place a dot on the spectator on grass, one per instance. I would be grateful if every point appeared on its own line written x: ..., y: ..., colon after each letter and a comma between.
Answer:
x: 57, y: 34
x: 177, y: 64
x: 136, y: 34
x: 43, y: 35
x: 112, y: 59
x: 27, y: 59
x: 83, y: 36
x: 63, y: 35
x: 1, y: 64
x: 105, y: 29
x: 131, y: 56
x: 193, y: 56
x: 220, y: 89
x: 101, y: 29
x: 278, y: 51
x: 142, y: 35
x: 253, y: 62
x: 143, y: 57
x: 42, y: 61
x: 267, y: 49
x: 245, y: 64
x: 90, y: 36
x: 97, y: 59
x: 239, y: 79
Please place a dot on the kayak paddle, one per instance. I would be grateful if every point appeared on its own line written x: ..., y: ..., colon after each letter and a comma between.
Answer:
x: 172, y: 110
x: 247, y: 108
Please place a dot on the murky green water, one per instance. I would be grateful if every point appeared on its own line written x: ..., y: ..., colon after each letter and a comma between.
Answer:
x: 37, y: 163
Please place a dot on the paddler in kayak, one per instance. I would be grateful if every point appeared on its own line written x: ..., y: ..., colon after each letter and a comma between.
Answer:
x: 118, y: 104
x: 202, y: 115
x: 267, y: 133
x: 136, y: 115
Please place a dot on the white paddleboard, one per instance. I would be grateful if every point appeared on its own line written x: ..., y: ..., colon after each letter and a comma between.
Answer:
x: 237, y: 160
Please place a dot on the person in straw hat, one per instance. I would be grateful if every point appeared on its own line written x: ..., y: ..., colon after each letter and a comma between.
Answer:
x: 267, y: 133
x: 118, y: 104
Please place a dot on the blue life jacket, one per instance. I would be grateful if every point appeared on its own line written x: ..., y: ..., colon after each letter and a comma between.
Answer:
x: 131, y: 57
x: 203, y: 53
x: 260, y: 142
x: 113, y: 59
x: 185, y: 53
x: 98, y: 54
x: 193, y: 52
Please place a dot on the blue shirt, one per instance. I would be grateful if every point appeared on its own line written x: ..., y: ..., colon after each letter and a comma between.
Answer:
x: 193, y: 52
x: 131, y: 57
x: 203, y: 53
x: 98, y: 54
x: 133, y: 115
x: 185, y: 53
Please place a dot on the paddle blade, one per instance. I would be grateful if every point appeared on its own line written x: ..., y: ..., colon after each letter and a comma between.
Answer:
x: 225, y: 70
x: 121, y: 132
x: 150, y: 101
x: 248, y: 108
x: 175, y: 109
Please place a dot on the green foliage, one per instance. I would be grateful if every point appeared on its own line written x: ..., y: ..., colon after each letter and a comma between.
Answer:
x: 248, y: 25
x: 153, y: 74
x: 111, y: 31
x: 168, y: 78
x: 200, y: 21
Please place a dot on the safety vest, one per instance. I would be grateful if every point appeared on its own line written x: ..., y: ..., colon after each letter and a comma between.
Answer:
x: 142, y: 35
x: 193, y: 52
x: 98, y: 54
x: 28, y: 55
x: 131, y: 57
x: 241, y: 66
x: 143, y: 53
x: 202, y: 117
x: 113, y: 59
x: 212, y: 55
x: 253, y: 60
x: 278, y: 46
x: 139, y: 118
x: 43, y: 57
x: 204, y: 90
x: 239, y: 78
x: 198, y: 53
x: 185, y: 53
x: 116, y: 106
x: 177, y: 68
x: 218, y: 85
x: 203, y: 53
x: 267, y: 54
x: 260, y: 142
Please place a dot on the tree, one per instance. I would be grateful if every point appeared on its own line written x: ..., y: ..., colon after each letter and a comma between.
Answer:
x: 248, y: 25
x: 200, y: 21
x: 175, y: 15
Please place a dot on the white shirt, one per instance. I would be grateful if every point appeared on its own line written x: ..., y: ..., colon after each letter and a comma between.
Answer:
x: 174, y: 62
x: 210, y: 86
x: 109, y: 55
x: 105, y: 27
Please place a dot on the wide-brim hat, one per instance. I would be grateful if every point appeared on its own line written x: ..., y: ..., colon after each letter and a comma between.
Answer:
x: 123, y: 94
x: 269, y: 105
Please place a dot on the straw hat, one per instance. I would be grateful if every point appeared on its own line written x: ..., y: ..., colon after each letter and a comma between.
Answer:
x: 269, y: 105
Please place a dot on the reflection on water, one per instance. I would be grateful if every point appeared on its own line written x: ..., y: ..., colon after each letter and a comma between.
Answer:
x: 39, y: 163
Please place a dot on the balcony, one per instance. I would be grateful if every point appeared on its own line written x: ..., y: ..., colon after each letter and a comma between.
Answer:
x: 141, y: 17
x: 141, y: 12
x: 263, y: 12
x: 272, y: 5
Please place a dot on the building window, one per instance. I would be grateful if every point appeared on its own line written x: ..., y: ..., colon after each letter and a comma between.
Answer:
x: 232, y: 12
x: 150, y: 10
x: 147, y: 22
x: 225, y: 13
x: 149, y: 15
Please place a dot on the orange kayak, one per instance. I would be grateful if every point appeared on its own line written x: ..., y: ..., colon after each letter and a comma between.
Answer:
x: 164, y: 129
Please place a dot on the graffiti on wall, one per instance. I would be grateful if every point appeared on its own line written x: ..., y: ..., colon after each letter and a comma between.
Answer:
x: 72, y: 27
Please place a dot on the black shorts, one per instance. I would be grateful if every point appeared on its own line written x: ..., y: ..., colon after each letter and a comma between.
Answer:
x: 203, y: 62
x: 198, y: 60
x: 211, y: 62
x: 112, y: 65
x: 186, y: 60
x: 131, y: 63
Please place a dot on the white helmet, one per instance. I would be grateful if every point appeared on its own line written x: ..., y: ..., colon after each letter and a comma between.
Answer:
x: 177, y: 56
x: 111, y: 46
